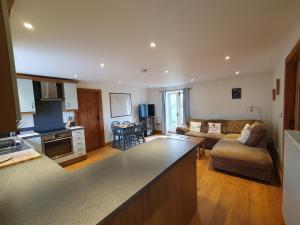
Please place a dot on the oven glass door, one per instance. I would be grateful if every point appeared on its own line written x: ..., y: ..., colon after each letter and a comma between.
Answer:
x: 58, y: 148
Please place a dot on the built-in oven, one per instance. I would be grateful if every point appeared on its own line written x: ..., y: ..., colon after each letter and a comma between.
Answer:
x: 57, y: 145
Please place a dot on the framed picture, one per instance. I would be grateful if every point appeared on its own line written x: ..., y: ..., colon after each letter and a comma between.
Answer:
x: 277, y: 86
x: 274, y: 94
x: 120, y: 104
x: 236, y: 93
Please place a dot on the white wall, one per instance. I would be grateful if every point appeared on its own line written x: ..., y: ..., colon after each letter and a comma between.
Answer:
x: 138, y: 96
x: 212, y: 99
x: 278, y: 105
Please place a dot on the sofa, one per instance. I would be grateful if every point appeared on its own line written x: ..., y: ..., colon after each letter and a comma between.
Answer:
x: 228, y: 154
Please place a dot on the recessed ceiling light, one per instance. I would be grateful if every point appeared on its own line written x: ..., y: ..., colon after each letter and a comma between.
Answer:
x: 102, y: 65
x: 227, y: 57
x: 192, y: 79
x: 28, y: 26
x: 152, y: 44
x: 237, y: 72
x: 75, y: 75
x: 166, y: 71
x: 119, y: 82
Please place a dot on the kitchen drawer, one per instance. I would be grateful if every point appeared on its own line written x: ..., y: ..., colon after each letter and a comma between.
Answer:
x: 78, y: 138
x: 78, y: 133
x: 79, y: 148
x: 77, y: 141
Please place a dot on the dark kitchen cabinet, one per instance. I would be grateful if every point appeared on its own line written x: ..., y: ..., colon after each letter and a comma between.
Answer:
x: 9, y: 103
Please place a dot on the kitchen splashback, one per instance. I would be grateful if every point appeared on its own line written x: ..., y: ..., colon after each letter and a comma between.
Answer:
x: 48, y: 115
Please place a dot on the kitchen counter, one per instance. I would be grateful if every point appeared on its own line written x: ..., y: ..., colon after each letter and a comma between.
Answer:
x: 36, y: 134
x: 40, y: 192
x: 75, y: 128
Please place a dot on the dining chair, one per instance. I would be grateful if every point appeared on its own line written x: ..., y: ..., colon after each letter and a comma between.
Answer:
x: 125, y: 123
x: 128, y: 136
x: 139, y: 133
x: 116, y: 133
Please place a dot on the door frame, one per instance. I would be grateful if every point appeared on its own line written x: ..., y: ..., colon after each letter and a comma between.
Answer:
x: 290, y: 86
x: 291, y: 62
x: 101, y: 121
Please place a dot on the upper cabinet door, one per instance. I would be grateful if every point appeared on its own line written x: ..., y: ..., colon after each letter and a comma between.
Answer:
x: 26, y: 95
x: 70, y: 102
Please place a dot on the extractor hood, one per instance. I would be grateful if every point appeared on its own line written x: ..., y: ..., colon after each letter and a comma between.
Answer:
x: 49, y: 91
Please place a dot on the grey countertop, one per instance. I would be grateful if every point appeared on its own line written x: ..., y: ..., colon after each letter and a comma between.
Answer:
x: 40, y: 192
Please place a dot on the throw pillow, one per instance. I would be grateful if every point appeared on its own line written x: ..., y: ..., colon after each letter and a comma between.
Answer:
x: 214, y: 128
x: 257, y: 133
x: 245, y: 134
x: 195, y: 126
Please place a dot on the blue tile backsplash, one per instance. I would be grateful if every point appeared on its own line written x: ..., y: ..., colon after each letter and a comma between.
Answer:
x: 48, y: 115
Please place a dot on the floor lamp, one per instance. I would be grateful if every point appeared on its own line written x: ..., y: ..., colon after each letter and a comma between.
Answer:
x: 252, y: 108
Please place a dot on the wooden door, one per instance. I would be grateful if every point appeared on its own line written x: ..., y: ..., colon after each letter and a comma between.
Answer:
x: 297, y: 98
x: 90, y: 116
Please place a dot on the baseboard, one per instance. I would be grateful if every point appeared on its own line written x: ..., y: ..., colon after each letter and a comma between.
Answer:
x: 109, y: 143
x: 279, y: 172
x: 72, y: 161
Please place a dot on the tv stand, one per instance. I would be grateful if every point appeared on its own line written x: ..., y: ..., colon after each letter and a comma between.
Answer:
x: 149, y: 125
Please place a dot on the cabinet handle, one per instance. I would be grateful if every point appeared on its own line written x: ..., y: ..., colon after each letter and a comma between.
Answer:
x: 68, y: 104
x: 32, y: 105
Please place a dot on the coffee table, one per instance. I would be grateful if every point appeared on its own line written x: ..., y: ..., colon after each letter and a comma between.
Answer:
x: 200, y: 142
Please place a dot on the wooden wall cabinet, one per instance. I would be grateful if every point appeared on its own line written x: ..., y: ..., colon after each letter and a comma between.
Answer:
x: 26, y: 96
x: 70, y: 93
x: 9, y: 102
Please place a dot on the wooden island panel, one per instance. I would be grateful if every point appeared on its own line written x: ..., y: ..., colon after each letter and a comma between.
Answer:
x: 169, y: 200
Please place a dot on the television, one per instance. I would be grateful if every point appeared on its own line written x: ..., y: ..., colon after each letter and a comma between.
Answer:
x: 151, y: 110
x: 143, y: 110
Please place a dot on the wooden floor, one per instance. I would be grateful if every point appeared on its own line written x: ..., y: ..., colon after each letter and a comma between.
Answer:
x: 222, y: 199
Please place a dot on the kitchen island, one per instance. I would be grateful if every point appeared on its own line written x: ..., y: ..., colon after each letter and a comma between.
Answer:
x: 154, y: 183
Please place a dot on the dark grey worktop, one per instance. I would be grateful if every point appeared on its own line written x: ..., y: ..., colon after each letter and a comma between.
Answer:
x: 40, y: 192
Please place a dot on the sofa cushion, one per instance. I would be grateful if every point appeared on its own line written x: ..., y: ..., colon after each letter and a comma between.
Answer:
x: 245, y: 134
x: 234, y: 150
x: 203, y: 124
x: 232, y: 136
x: 236, y: 126
x: 205, y: 135
x: 195, y: 126
x: 258, y: 132
x: 223, y: 128
x: 214, y: 128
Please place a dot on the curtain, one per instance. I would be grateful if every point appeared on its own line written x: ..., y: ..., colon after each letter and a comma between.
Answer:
x: 186, y: 105
x: 164, y: 116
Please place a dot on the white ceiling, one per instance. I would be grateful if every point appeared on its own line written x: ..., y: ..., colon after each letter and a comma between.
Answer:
x: 192, y: 36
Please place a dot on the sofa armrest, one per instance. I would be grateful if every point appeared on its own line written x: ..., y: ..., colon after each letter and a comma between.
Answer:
x: 182, y: 130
